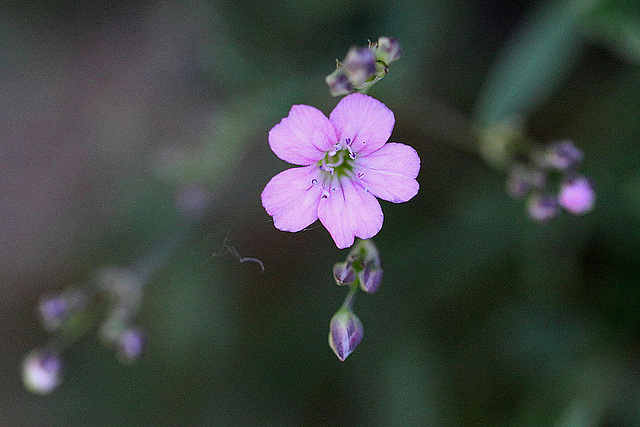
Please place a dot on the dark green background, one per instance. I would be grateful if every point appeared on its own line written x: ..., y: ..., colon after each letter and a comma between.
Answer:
x: 483, y: 318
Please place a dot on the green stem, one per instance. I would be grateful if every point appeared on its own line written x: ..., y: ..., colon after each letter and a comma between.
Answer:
x: 167, y: 245
x: 351, y: 295
x: 76, y: 327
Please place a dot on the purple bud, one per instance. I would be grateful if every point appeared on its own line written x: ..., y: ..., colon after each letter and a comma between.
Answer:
x: 577, y: 195
x: 53, y: 312
x: 345, y: 333
x: 130, y: 345
x: 339, y: 83
x: 343, y: 273
x: 367, y: 252
x: 370, y: 279
x: 542, y: 207
x: 359, y: 65
x: 517, y: 186
x: 388, y: 50
x: 41, y: 371
x: 522, y: 179
x: 560, y: 155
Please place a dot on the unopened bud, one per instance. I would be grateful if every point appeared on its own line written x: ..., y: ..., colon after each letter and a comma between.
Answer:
x: 560, y: 155
x: 339, y: 83
x: 54, y: 311
x: 577, y: 195
x: 370, y: 279
x: 359, y: 65
x: 517, y: 186
x: 41, y: 371
x: 367, y: 252
x: 523, y: 179
x: 130, y: 345
x: 345, y: 333
x: 388, y: 50
x: 343, y: 273
x: 542, y: 207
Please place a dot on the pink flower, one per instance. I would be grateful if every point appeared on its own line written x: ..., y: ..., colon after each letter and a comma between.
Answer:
x: 347, y: 164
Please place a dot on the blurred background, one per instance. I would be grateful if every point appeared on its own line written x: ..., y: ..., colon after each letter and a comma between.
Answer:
x: 484, y: 317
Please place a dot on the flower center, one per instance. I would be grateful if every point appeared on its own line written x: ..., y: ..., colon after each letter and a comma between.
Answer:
x: 339, y: 161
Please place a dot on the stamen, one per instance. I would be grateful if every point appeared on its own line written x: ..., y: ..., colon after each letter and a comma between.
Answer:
x: 328, y: 185
x: 325, y: 167
x: 352, y: 154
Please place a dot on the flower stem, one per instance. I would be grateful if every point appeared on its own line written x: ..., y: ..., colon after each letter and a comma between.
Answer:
x: 351, y: 295
x: 173, y: 239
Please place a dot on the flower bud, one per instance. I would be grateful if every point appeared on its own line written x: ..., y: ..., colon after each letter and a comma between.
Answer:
x: 41, y: 371
x: 560, y: 155
x: 523, y: 179
x: 388, y: 50
x: 345, y: 333
x: 130, y: 345
x: 367, y: 252
x: 339, y: 83
x: 577, y: 195
x: 542, y: 207
x: 359, y: 65
x: 54, y: 311
x: 370, y: 279
x: 343, y: 273
x: 517, y: 186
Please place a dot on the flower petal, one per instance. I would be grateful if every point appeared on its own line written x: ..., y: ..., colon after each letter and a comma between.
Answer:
x: 303, y: 137
x: 292, y: 198
x: 363, y: 119
x: 390, y: 172
x: 349, y: 211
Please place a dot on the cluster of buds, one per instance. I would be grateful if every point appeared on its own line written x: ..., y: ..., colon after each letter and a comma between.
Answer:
x: 108, y: 303
x: 72, y: 313
x: 361, y: 270
x: 363, y: 66
x: 556, y: 162
x: 123, y: 289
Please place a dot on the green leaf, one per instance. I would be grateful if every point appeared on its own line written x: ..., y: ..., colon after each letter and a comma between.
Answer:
x: 533, y: 64
x: 616, y: 24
